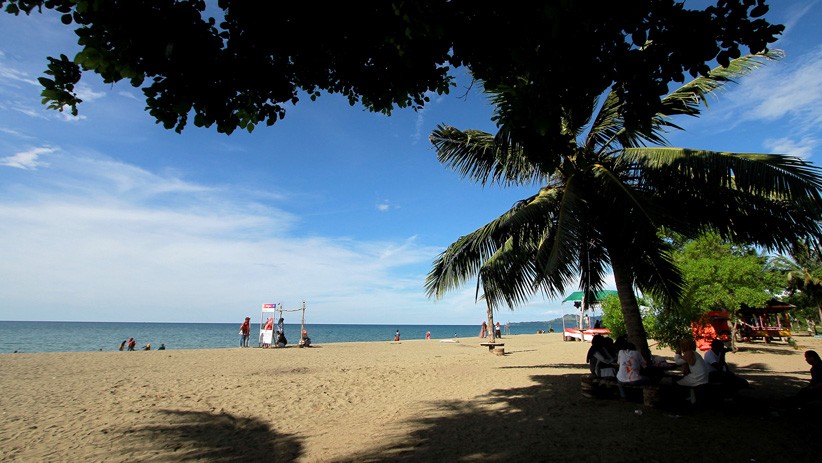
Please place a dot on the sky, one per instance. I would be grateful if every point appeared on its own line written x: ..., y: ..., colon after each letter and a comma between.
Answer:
x: 109, y: 217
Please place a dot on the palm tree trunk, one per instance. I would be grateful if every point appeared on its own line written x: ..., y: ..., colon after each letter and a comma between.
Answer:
x: 630, y: 306
x: 491, y: 332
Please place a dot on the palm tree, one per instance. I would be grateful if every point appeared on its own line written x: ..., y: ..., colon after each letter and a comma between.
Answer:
x: 606, y: 202
x: 802, y: 268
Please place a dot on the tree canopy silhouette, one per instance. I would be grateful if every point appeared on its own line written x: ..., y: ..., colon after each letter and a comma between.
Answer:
x: 236, y: 64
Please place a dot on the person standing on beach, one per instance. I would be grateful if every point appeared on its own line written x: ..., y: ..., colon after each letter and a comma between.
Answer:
x: 497, y: 331
x: 428, y: 335
x: 131, y: 343
x: 397, y: 336
x: 484, y: 330
x: 123, y: 344
x: 245, y: 332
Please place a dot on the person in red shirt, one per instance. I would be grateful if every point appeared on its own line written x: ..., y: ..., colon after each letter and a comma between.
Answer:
x: 245, y: 332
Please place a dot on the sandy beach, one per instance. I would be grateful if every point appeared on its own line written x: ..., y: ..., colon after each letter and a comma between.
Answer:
x: 382, y: 401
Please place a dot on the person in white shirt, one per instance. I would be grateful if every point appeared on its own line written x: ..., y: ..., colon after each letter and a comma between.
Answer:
x: 694, y: 368
x: 718, y: 371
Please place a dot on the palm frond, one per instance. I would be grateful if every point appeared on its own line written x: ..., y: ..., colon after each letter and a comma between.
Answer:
x: 658, y: 275
x: 506, y: 277
x: 689, y: 98
x: 765, y: 199
x: 479, y: 156
x: 770, y: 175
x: 557, y: 257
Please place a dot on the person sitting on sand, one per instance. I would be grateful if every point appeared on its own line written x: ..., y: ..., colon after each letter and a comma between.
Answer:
x: 147, y: 347
x: 162, y: 347
x: 123, y: 344
x: 813, y: 390
x: 305, y: 341
x: 601, y: 362
x: 718, y: 370
x: 281, y: 341
x: 631, y: 364
x: 694, y: 368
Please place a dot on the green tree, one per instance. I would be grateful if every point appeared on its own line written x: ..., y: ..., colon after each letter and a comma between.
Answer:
x: 722, y: 276
x: 236, y: 64
x: 613, y: 319
x: 605, y: 203
x: 717, y: 275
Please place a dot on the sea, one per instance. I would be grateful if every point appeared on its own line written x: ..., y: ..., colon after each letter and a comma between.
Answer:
x: 29, y: 336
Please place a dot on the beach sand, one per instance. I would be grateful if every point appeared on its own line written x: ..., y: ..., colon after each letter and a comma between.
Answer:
x: 383, y: 401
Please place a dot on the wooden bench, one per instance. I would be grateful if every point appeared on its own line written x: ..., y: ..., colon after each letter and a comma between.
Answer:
x: 492, y: 345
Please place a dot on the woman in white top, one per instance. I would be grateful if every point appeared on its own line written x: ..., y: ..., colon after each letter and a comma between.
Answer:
x: 693, y: 366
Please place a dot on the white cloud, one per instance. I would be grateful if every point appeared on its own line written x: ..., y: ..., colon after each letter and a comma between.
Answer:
x: 90, y: 236
x: 28, y: 160
x: 790, y: 89
x: 129, y: 95
x: 10, y: 75
x: 802, y: 148
x: 85, y: 93
x: 16, y: 133
x: 384, y: 206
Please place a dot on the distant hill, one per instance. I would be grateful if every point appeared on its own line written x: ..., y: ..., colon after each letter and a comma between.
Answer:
x: 569, y: 320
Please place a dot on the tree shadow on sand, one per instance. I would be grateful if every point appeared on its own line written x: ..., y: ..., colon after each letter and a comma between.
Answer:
x: 551, y: 420
x: 212, y: 437
x: 784, y: 350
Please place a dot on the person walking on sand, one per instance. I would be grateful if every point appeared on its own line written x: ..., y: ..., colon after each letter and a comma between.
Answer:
x: 397, y: 336
x: 428, y: 336
x: 484, y: 330
x: 245, y: 332
x: 131, y: 344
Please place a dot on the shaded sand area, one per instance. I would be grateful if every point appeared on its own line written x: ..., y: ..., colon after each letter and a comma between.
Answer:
x: 407, y: 401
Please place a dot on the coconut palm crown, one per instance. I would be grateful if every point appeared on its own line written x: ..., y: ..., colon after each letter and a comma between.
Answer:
x: 612, y: 194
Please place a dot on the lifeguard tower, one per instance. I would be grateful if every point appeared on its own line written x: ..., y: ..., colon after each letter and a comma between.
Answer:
x: 268, y: 324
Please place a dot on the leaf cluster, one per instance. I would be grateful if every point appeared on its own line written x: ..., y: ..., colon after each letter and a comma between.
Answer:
x: 239, y: 64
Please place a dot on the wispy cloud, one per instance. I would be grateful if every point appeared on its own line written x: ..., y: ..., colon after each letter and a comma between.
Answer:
x: 87, y: 94
x: 786, y: 95
x: 793, y: 90
x: 802, y: 148
x: 10, y: 75
x: 90, y: 231
x: 129, y: 95
x: 28, y: 160
x: 384, y: 206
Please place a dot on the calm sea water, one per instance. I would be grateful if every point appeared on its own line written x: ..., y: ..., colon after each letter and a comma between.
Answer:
x: 106, y: 336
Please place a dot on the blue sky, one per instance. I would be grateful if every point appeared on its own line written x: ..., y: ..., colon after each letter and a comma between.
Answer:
x: 109, y: 217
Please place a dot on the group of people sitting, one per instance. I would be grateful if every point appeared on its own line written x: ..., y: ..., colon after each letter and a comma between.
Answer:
x: 131, y: 344
x: 621, y: 362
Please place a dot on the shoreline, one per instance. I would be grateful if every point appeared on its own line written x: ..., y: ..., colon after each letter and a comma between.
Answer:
x: 412, y: 400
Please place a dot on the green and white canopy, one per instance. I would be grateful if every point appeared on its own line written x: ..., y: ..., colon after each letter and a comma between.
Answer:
x: 598, y: 296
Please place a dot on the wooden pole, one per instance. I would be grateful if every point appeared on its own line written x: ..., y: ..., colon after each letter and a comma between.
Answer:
x: 302, y: 324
